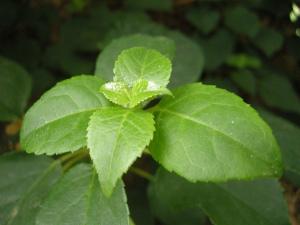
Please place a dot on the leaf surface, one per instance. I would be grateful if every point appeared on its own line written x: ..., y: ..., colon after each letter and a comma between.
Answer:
x: 233, y: 203
x: 15, y: 88
x: 26, y: 180
x: 141, y: 63
x: 77, y: 199
x: 57, y: 122
x: 116, y: 137
x: 208, y: 134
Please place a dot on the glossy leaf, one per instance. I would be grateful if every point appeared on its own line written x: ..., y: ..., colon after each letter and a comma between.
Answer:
x: 107, y: 58
x: 142, y: 90
x: 233, y: 203
x: 243, y: 61
x: 15, y: 88
x: 208, y: 134
x: 116, y: 137
x: 141, y: 63
x: 77, y: 199
x: 26, y: 180
x: 57, y: 122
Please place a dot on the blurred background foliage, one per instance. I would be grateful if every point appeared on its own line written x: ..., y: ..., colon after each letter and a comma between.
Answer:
x: 249, y: 47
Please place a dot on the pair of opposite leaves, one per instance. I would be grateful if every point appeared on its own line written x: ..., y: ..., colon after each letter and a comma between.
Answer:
x: 202, y: 133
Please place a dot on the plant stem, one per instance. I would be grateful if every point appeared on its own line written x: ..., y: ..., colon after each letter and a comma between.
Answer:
x: 142, y: 173
x: 75, y: 159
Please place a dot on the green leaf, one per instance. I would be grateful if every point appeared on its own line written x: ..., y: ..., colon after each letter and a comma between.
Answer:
x: 217, y: 49
x: 288, y: 136
x: 242, y: 20
x: 277, y: 91
x: 77, y: 199
x: 243, y: 61
x: 15, y: 88
x: 268, y: 40
x: 245, y: 79
x: 208, y: 134
x: 233, y: 203
x: 57, y: 122
x: 204, y: 19
x: 107, y: 58
x: 142, y: 63
x: 124, y: 135
x: 142, y: 90
x: 26, y: 182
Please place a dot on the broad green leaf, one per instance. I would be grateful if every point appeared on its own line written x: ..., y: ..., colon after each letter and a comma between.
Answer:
x: 141, y: 63
x: 107, y: 58
x: 26, y: 180
x: 233, y: 203
x: 57, y: 122
x: 243, y: 61
x: 129, y: 97
x: 208, y: 134
x: 277, y: 91
x: 242, y: 20
x: 217, y: 49
x: 203, y: 19
x: 245, y: 80
x: 15, y: 88
x: 268, y: 40
x: 288, y: 136
x: 116, y: 137
x: 77, y: 199
x: 157, y: 5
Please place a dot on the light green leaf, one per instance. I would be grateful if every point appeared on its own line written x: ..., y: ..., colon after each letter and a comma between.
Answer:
x: 116, y: 137
x: 233, y: 203
x: 268, y: 40
x: 242, y: 20
x: 204, y: 19
x: 15, y: 88
x: 242, y: 61
x: 77, y: 199
x: 142, y: 90
x: 26, y: 180
x: 107, y: 58
x: 208, y: 134
x: 277, y: 91
x: 288, y: 136
x: 142, y: 63
x: 57, y: 122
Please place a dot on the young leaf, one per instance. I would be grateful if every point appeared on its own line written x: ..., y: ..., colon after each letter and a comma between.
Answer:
x: 116, y: 137
x: 77, y: 199
x: 57, y: 122
x: 142, y: 63
x: 15, y: 88
x: 208, y: 134
x: 107, y: 58
x: 233, y: 203
x: 26, y: 182
x: 142, y: 90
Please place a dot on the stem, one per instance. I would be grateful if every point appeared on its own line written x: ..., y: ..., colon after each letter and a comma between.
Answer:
x: 68, y: 156
x: 75, y: 159
x: 142, y: 173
